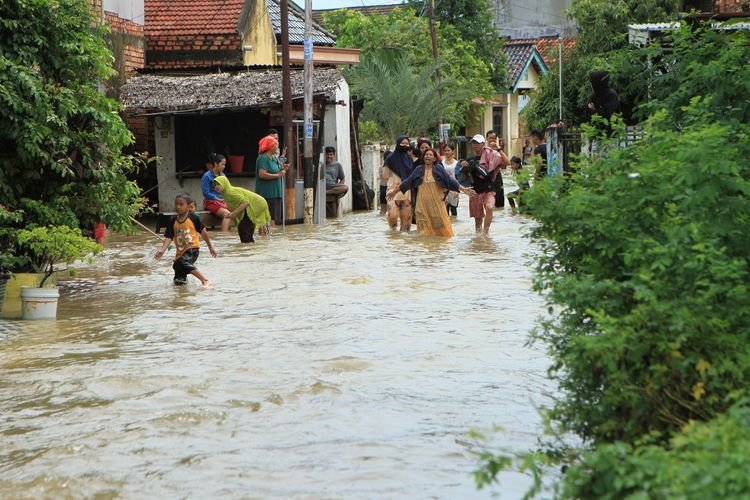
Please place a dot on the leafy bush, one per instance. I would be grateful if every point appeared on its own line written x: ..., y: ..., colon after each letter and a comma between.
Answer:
x: 705, y: 460
x: 646, y: 254
x: 61, y: 140
x: 48, y: 246
x: 646, y: 269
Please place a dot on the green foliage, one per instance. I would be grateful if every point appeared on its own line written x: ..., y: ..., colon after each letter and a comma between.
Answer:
x: 645, y: 255
x: 369, y: 132
x: 473, y: 19
x: 401, y: 100
x: 645, y: 267
x: 48, y: 246
x: 402, y: 33
x: 601, y: 43
x: 704, y: 460
x: 60, y: 138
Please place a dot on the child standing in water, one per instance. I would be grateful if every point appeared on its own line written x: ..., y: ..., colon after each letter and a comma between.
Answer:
x: 184, y: 229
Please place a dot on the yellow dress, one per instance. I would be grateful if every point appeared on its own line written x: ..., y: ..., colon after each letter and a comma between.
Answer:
x: 432, y: 217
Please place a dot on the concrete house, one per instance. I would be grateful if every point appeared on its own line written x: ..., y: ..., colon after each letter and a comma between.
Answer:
x: 525, y: 67
x: 212, y: 83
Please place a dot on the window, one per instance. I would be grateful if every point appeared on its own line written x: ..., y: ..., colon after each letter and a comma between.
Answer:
x: 497, y: 119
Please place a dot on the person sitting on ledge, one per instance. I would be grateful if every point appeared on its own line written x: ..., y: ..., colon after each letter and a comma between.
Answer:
x: 334, y: 174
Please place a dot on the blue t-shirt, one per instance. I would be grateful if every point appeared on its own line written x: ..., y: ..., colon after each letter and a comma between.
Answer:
x: 207, y: 186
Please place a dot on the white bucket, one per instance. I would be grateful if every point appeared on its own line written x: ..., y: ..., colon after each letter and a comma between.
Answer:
x: 39, y: 303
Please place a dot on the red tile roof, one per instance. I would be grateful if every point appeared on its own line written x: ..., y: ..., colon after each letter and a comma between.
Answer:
x: 188, y: 17
x: 548, y: 47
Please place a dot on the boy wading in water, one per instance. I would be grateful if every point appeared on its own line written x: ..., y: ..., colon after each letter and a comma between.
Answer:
x: 184, y: 229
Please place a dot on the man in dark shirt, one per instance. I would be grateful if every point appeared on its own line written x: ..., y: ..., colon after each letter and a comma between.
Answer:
x: 539, y: 154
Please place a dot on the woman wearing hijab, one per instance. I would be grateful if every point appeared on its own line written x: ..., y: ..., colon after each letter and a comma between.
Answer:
x: 431, y: 182
x: 250, y: 209
x: 269, y: 175
x: 398, y: 166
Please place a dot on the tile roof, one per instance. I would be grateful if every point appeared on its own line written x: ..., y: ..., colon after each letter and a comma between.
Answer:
x: 297, y: 25
x: 548, y: 47
x: 189, y: 17
x: 519, y: 54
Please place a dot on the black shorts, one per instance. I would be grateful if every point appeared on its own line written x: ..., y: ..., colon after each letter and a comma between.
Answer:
x: 383, y: 189
x: 184, y: 265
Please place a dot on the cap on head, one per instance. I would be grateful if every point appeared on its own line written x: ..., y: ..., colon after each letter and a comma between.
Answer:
x: 479, y: 139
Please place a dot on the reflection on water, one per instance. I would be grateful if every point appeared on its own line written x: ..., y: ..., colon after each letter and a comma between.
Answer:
x: 342, y: 361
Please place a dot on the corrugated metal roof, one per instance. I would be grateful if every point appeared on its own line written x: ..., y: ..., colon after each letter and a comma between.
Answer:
x: 654, y: 26
x: 297, y: 25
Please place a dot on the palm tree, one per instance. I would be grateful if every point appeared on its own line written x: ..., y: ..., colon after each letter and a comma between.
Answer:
x: 400, y: 98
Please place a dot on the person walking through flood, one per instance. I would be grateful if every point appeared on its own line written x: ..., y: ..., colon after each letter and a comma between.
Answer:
x: 451, y: 164
x: 184, y: 229
x: 429, y: 183
x: 269, y: 175
x: 250, y: 209
x: 483, y: 167
x: 399, y: 166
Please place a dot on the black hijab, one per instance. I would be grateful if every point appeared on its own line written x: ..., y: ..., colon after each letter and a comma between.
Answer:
x: 399, y: 161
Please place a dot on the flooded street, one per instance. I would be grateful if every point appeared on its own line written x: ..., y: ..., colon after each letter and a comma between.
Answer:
x: 343, y: 361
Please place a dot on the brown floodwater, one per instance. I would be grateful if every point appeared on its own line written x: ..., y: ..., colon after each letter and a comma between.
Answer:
x: 343, y: 361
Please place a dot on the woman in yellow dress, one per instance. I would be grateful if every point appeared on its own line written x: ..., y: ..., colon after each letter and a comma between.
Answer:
x: 429, y: 183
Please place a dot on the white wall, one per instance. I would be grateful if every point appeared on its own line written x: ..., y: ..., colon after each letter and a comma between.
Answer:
x: 532, y: 18
x: 126, y: 9
x: 337, y: 134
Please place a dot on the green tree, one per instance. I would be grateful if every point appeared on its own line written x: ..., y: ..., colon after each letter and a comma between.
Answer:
x: 473, y: 19
x: 601, y: 38
x: 61, y: 140
x: 645, y: 260
x: 403, y: 32
x: 400, y: 100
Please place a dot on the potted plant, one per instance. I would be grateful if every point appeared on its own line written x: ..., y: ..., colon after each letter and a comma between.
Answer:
x: 48, y: 246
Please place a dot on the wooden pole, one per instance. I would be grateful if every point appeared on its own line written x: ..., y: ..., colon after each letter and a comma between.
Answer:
x: 358, y: 157
x: 286, y: 92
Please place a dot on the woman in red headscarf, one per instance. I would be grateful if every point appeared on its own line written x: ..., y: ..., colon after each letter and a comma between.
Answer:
x: 269, y: 175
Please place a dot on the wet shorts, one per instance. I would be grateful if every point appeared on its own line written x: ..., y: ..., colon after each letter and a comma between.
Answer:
x: 481, y: 202
x: 214, y: 205
x: 184, y: 265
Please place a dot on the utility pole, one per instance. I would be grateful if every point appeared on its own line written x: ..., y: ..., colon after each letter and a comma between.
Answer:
x: 433, y: 35
x: 560, y: 68
x: 308, y: 115
x: 286, y: 96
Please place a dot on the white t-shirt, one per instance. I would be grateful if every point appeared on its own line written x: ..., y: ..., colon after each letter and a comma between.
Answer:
x: 450, y: 167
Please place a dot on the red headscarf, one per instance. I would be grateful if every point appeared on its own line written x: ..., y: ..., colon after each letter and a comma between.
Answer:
x: 267, y: 143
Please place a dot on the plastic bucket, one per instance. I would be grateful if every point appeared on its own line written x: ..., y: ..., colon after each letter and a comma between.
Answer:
x: 39, y: 303
x: 236, y: 163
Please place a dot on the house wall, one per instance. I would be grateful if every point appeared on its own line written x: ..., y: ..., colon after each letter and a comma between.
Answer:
x: 192, y: 51
x: 337, y: 133
x: 259, y: 34
x: 532, y: 18
x: 169, y: 185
